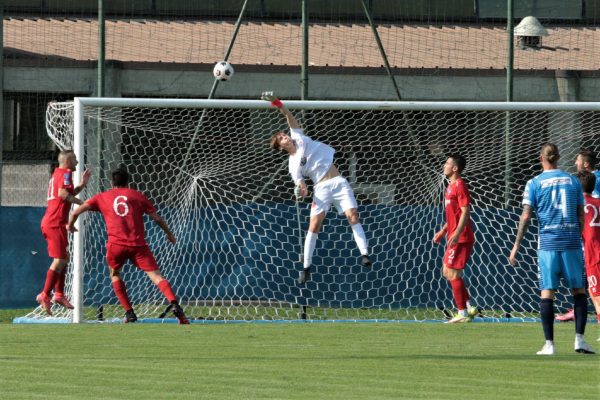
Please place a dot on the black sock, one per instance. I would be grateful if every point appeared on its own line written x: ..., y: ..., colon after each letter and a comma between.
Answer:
x: 547, y: 313
x: 580, y: 309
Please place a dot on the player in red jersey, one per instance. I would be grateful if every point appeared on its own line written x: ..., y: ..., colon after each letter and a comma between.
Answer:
x: 585, y: 161
x: 61, y: 194
x: 460, y: 239
x: 123, y: 211
x: 591, y: 237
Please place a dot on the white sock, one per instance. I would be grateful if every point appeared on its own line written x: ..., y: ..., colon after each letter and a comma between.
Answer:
x: 468, y: 304
x: 578, y: 336
x: 549, y: 342
x: 360, y: 238
x: 462, y: 313
x: 309, y: 248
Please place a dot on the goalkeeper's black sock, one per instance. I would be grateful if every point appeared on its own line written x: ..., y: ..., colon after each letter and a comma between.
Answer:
x: 304, y: 276
x: 365, y: 260
x: 547, y: 314
x: 580, y: 309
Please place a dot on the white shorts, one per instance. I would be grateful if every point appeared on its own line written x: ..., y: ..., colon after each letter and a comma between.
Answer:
x: 335, y: 190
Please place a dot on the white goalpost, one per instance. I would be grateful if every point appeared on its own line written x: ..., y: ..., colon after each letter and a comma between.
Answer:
x: 207, y: 166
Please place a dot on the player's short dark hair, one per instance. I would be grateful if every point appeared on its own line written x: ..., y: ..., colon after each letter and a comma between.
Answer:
x: 120, y: 178
x: 459, y: 161
x: 587, y: 180
x: 588, y: 156
x: 274, y: 144
x: 550, y: 153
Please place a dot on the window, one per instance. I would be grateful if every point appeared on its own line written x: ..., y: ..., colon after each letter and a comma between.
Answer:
x: 24, y: 133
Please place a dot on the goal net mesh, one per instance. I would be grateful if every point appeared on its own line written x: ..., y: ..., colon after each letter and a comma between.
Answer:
x: 229, y: 201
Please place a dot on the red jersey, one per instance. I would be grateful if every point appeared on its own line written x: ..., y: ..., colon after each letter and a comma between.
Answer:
x: 591, y: 231
x: 457, y: 196
x: 123, y: 210
x: 57, y: 210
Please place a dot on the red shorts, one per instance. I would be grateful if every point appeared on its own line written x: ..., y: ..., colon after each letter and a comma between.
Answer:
x: 456, y: 257
x: 141, y: 256
x: 593, y: 278
x: 58, y: 241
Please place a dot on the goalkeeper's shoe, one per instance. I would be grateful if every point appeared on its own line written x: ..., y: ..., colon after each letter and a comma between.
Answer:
x: 547, y: 350
x: 365, y: 261
x: 568, y: 316
x: 178, y: 312
x: 304, y: 276
x: 44, y: 301
x: 582, y: 347
x: 62, y: 301
x: 130, y: 316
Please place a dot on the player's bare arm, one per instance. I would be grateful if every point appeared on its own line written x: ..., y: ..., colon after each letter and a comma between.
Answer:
x: 163, y: 225
x: 85, y: 177
x: 291, y: 120
x: 66, y: 196
x: 74, y: 215
x: 524, y: 222
x: 437, y: 238
x: 465, y: 214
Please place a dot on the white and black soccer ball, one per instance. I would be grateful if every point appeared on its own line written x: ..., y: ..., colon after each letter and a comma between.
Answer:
x: 223, y: 70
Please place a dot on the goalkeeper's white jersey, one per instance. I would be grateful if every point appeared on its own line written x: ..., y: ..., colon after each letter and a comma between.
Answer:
x: 312, y: 159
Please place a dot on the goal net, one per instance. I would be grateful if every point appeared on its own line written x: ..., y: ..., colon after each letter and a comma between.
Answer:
x: 228, y: 198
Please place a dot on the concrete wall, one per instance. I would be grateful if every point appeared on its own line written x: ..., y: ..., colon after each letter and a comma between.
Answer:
x: 414, y: 85
x: 25, y: 184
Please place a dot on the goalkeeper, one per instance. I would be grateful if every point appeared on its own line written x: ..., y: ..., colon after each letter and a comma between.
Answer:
x: 313, y: 159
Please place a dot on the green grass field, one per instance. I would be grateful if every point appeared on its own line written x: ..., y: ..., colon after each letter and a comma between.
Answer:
x: 293, y: 361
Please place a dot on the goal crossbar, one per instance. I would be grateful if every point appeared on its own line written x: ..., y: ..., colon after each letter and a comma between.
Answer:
x: 339, y: 105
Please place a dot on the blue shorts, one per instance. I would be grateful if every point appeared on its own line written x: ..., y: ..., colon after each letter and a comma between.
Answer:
x: 568, y: 264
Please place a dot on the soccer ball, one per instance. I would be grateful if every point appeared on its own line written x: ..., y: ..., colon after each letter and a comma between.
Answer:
x: 223, y: 70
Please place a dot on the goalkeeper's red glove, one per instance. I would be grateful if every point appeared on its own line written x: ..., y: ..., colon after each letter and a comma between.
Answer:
x: 277, y: 103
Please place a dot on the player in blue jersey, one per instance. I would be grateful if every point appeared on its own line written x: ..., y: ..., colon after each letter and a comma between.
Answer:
x: 586, y: 161
x: 557, y: 199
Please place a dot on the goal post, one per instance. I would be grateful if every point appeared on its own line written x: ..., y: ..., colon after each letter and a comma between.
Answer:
x: 207, y: 166
x: 77, y: 248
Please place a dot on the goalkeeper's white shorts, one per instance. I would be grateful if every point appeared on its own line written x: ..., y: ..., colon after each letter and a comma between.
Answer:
x: 336, y: 191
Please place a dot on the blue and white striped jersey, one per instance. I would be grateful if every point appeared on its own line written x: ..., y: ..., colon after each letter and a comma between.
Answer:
x: 555, y: 196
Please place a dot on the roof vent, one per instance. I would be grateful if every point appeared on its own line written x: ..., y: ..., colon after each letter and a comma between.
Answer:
x: 529, y: 33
